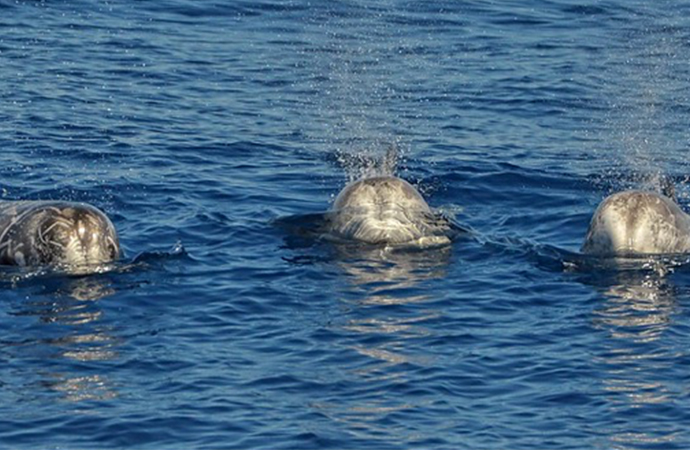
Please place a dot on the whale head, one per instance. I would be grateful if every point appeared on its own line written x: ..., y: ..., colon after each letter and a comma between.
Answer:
x: 637, y: 222
x: 380, y: 210
x: 62, y: 234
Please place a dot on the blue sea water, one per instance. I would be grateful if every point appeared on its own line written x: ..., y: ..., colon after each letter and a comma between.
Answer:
x: 201, y: 126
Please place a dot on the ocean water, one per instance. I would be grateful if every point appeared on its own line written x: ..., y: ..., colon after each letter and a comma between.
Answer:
x: 202, y: 126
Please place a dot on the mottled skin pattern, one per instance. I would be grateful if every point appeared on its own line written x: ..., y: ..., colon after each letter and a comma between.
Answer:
x: 635, y: 222
x: 57, y: 233
x: 385, y: 210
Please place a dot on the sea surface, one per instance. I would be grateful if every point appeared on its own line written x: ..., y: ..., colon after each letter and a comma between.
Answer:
x: 202, y: 127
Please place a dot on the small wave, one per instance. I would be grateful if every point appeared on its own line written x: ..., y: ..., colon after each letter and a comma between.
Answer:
x: 177, y: 251
x: 15, y: 276
x: 555, y: 259
x: 661, y: 265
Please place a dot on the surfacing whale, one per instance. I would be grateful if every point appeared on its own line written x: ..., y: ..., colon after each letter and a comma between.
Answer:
x: 386, y: 210
x: 635, y: 223
x: 36, y: 233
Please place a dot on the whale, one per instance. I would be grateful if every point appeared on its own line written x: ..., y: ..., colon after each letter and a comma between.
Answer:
x: 55, y: 233
x: 633, y: 223
x: 385, y: 210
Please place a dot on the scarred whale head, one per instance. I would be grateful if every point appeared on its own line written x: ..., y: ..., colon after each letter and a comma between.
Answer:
x: 637, y: 222
x: 381, y: 210
x: 58, y: 233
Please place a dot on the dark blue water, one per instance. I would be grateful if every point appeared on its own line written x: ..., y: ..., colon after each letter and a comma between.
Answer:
x: 200, y: 126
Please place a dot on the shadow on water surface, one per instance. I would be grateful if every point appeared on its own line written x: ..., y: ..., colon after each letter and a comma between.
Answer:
x: 69, y: 339
x: 389, y: 310
x: 639, y: 300
x: 637, y: 311
x: 60, y: 336
x: 638, y: 375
